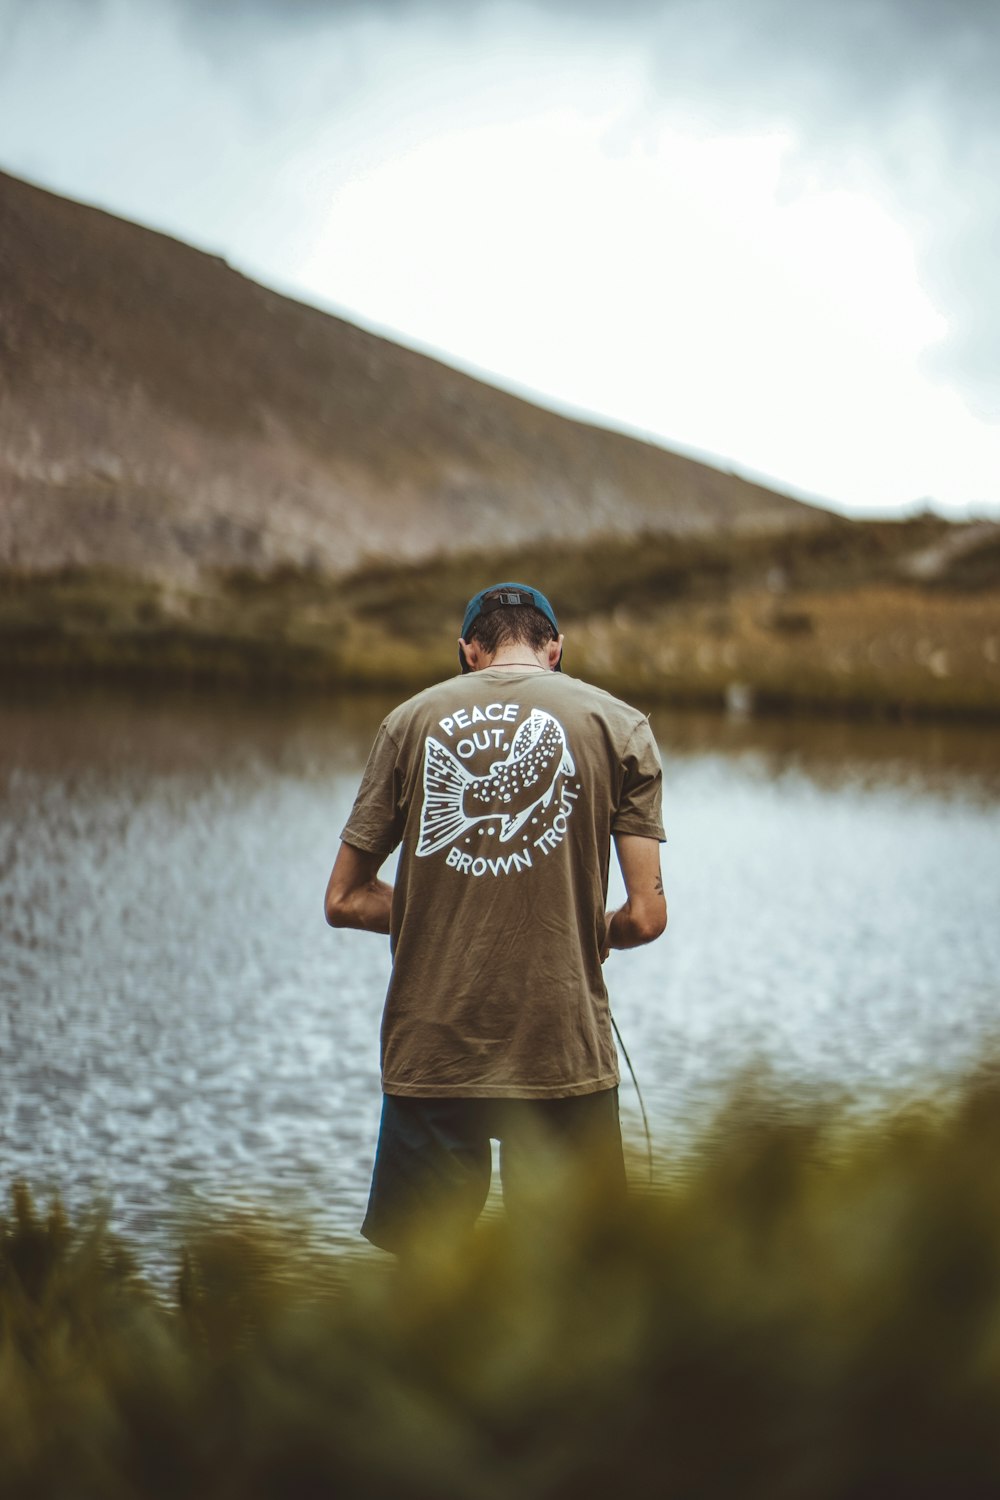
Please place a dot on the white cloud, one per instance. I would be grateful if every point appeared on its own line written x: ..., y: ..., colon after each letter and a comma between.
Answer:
x: 675, y: 288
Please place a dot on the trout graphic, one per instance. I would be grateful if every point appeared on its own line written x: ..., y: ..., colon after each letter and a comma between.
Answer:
x: 455, y: 800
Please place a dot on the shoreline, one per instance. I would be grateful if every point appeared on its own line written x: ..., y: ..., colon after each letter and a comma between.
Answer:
x: 287, y: 678
x: 891, y: 620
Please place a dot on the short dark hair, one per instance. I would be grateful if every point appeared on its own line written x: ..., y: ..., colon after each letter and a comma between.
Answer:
x: 510, y: 625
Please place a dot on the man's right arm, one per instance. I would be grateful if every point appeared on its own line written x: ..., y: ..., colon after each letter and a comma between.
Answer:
x: 355, y: 897
x: 644, y: 915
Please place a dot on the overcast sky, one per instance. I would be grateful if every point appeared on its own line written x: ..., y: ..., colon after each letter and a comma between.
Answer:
x: 765, y: 231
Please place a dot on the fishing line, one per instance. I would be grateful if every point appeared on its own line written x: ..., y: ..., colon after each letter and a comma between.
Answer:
x: 638, y: 1092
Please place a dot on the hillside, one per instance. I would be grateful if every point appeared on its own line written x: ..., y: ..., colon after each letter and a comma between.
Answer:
x: 203, y: 480
x: 162, y: 415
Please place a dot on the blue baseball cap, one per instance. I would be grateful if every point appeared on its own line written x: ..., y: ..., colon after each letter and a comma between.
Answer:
x: 500, y: 596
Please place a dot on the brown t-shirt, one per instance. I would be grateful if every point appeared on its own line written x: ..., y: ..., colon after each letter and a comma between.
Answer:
x: 504, y: 787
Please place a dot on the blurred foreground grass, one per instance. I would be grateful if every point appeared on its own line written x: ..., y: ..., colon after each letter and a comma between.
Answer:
x: 811, y: 1310
x: 862, y: 617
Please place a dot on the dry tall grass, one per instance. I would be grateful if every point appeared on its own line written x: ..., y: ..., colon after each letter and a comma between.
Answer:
x: 812, y: 1311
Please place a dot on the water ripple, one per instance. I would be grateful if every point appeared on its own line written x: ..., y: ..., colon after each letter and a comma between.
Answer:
x: 178, y: 1025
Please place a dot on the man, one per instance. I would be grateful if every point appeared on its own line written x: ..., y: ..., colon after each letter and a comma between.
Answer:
x: 505, y: 787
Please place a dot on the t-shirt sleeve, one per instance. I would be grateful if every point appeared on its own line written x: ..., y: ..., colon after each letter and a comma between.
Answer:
x: 377, y: 819
x: 639, y: 808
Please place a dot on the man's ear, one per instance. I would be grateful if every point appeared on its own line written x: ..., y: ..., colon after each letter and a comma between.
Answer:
x: 473, y: 653
x: 555, y: 652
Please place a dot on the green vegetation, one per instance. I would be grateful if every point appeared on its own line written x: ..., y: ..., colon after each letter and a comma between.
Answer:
x: 879, y: 617
x: 811, y: 1308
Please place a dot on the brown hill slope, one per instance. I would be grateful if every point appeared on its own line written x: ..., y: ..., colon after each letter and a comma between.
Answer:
x: 161, y: 414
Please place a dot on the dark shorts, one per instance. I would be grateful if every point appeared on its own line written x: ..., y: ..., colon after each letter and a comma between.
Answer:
x: 434, y: 1158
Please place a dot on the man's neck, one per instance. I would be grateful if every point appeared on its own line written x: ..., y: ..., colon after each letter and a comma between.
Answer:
x: 513, y: 656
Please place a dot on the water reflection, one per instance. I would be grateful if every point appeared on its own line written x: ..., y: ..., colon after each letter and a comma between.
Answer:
x: 177, y: 1021
x: 836, y: 752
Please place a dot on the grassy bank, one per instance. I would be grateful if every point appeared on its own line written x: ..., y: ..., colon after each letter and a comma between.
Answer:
x: 865, y: 618
x: 813, y: 1311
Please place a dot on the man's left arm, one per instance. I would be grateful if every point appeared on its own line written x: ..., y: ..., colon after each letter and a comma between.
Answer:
x: 355, y: 897
x: 644, y: 916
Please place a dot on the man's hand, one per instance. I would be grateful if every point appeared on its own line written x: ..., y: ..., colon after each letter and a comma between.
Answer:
x: 644, y: 915
x: 355, y: 897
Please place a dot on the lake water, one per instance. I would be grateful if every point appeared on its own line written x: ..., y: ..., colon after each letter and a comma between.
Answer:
x: 178, y: 1026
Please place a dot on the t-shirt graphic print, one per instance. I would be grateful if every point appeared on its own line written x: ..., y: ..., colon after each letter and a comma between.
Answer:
x: 510, y: 798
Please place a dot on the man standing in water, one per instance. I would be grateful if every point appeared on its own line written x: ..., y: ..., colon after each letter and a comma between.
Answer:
x: 505, y: 788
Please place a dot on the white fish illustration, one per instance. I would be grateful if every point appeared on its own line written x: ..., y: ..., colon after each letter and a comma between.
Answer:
x: 455, y: 800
